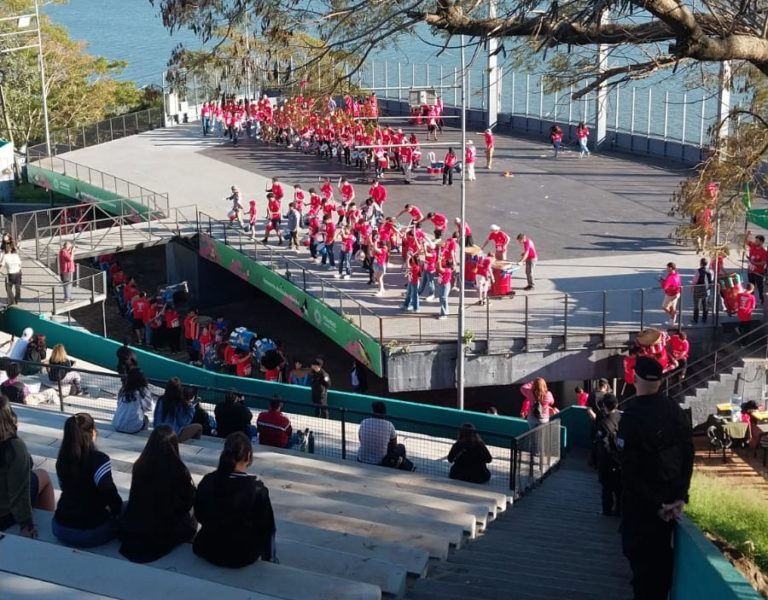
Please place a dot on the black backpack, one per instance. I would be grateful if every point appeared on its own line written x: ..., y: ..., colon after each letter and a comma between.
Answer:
x: 13, y: 391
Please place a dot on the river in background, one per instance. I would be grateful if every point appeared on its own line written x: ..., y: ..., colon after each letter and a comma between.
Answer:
x: 131, y: 30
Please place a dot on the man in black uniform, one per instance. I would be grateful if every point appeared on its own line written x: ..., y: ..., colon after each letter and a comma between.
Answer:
x: 320, y: 381
x: 657, y: 461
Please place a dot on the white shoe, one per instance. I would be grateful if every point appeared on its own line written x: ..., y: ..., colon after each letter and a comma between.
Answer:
x: 429, y: 299
x: 337, y: 275
x: 346, y: 277
x: 379, y: 294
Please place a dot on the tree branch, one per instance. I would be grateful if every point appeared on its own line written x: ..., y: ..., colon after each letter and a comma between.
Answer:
x: 631, y: 71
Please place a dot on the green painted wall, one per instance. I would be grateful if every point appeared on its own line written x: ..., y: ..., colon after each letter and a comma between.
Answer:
x: 101, y: 351
x: 578, y: 424
x: 701, y: 571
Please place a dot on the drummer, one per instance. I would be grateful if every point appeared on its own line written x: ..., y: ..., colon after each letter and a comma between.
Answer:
x: 500, y: 240
x: 439, y: 221
x: 414, y: 211
x: 483, y: 277
x: 467, y: 232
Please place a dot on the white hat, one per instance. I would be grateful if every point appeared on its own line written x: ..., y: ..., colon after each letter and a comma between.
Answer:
x: 470, y: 143
x: 27, y: 333
x: 488, y: 131
x: 495, y: 228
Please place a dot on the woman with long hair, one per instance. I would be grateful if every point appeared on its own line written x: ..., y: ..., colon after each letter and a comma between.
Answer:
x: 60, y: 369
x: 233, y: 508
x: 174, y: 411
x: 468, y: 456
x: 89, y: 502
x: 157, y: 517
x: 538, y: 402
x: 134, y: 403
x: 21, y: 487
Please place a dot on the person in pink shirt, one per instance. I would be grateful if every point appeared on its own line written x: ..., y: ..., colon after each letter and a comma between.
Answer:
x: 380, y: 260
x: 745, y: 303
x: 672, y: 287
x: 538, y: 402
x: 483, y: 278
x: 582, y: 132
x: 500, y: 241
x: 347, y: 239
x: 528, y: 257
x: 252, y: 217
x: 581, y: 396
x: 470, y: 155
x: 67, y: 268
x: 379, y: 193
x: 678, y: 349
x: 445, y: 276
x: 489, y: 146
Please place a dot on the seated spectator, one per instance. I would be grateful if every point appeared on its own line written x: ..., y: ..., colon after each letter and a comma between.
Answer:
x: 234, y: 511
x: 34, y: 355
x: 17, y: 391
x: 378, y: 441
x: 233, y: 415
x: 126, y: 359
x: 274, y: 427
x: 157, y: 517
x: 468, y: 456
x: 201, y: 417
x: 134, y: 404
x: 60, y: 369
x: 21, y: 487
x: 89, y: 502
x: 174, y: 411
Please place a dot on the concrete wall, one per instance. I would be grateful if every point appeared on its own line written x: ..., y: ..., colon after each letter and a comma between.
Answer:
x: 435, y: 367
x: 702, y: 572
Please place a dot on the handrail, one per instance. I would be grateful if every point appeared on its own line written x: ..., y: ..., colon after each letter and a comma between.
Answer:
x: 534, y: 454
x: 95, y: 283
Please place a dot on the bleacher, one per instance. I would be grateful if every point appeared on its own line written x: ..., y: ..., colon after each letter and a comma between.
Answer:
x: 344, y: 530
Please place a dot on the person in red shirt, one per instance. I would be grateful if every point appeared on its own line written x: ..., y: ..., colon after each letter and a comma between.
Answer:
x: 191, y: 331
x: 445, y: 276
x: 140, y: 305
x: 500, y: 241
x: 172, y: 327
x: 468, y: 241
x: 153, y: 324
x: 274, y: 427
x: 470, y: 155
x: 439, y: 221
x: 346, y: 190
x: 299, y: 198
x: 412, y: 289
x: 252, y: 217
x: 326, y: 189
x: 379, y: 193
x: 483, y: 278
x: 679, y: 349
x: 528, y: 257
x: 243, y: 364
x: 758, y: 259
x: 745, y: 303
x: 449, y: 162
x: 277, y: 189
x: 489, y: 146
x: 67, y: 268
x: 129, y: 291
x: 274, y: 216
x: 581, y: 396
x: 414, y: 211
x: 329, y: 238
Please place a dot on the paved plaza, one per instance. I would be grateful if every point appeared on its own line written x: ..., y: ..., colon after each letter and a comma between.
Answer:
x: 599, y: 223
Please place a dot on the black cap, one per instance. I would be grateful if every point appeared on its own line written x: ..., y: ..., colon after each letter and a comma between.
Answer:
x: 648, y: 368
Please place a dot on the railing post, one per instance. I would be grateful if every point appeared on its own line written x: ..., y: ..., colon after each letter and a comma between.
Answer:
x: 53, y: 299
x: 61, y: 396
x: 642, y: 308
x: 304, y: 278
x: 565, y: 323
x: 605, y: 307
x: 381, y: 331
x: 322, y: 290
x: 487, y: 323
x: 343, y: 433
x: 526, y: 323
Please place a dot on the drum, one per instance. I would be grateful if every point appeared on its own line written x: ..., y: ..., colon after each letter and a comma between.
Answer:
x: 502, y: 278
x: 242, y: 339
x: 471, y: 258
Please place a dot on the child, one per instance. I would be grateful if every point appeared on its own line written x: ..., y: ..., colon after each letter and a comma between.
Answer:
x: 745, y: 303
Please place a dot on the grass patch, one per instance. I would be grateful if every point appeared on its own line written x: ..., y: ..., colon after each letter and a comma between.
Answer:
x: 738, y: 515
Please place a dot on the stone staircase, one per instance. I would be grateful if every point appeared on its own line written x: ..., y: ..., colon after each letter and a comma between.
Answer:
x: 554, y: 543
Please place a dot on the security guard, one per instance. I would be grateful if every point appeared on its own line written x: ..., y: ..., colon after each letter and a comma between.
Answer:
x: 655, y: 440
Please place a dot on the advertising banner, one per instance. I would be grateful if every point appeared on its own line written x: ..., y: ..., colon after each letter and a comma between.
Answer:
x: 358, y: 343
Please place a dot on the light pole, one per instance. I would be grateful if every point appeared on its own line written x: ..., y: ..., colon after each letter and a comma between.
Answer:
x: 460, y: 345
x: 41, y: 63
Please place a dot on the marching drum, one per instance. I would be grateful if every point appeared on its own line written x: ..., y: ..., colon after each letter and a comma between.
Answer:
x: 471, y: 258
x: 502, y: 278
x: 242, y: 339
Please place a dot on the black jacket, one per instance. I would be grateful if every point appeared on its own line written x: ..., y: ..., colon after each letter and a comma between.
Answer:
x: 655, y: 440
x: 231, y: 417
x: 238, y: 526
x: 320, y: 382
x: 157, y: 517
x: 89, y: 496
x: 469, y: 462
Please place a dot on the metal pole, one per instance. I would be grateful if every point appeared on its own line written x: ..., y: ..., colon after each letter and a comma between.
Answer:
x: 565, y: 323
x: 41, y: 62
x: 462, y: 237
x: 685, y: 117
x: 666, y: 115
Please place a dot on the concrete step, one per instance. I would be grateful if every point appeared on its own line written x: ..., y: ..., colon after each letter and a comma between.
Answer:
x: 105, y: 576
x: 16, y: 587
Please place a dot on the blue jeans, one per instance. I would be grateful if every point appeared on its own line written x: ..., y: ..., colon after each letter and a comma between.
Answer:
x: 85, y: 538
x: 206, y: 125
x: 556, y: 146
x: 444, y: 290
x: 329, y: 254
x: 427, y: 283
x: 344, y: 262
x: 412, y: 296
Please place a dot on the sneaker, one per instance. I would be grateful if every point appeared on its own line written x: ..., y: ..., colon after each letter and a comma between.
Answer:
x: 527, y: 288
x: 379, y: 294
x: 346, y: 276
x: 337, y: 275
x: 429, y: 299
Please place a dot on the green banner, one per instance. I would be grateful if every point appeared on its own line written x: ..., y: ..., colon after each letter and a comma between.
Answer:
x: 79, y: 190
x: 358, y: 343
x: 758, y: 216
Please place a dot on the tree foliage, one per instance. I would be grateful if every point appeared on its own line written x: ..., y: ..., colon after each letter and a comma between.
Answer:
x: 80, y: 88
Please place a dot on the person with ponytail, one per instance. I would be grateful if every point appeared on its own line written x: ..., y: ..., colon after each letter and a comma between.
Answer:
x: 234, y: 511
x: 89, y: 502
x: 21, y: 487
x: 158, y: 515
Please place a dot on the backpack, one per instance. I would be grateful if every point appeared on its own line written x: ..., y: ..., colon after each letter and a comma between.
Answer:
x: 536, y: 409
x: 13, y: 391
x: 34, y: 353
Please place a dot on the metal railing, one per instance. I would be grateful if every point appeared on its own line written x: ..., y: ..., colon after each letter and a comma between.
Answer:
x: 154, y: 203
x: 50, y: 297
x: 535, y: 454
x: 427, y: 444
x: 115, y: 128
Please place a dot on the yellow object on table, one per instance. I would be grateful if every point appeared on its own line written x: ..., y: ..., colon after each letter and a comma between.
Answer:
x: 738, y: 430
x: 724, y: 409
